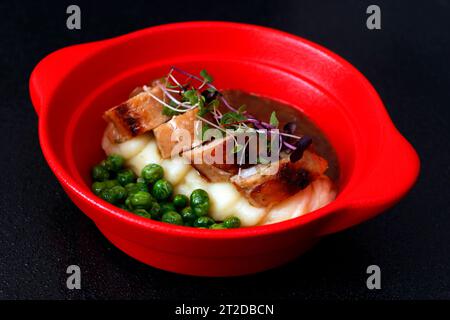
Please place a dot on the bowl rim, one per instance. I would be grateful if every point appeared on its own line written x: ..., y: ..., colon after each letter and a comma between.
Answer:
x: 134, y: 221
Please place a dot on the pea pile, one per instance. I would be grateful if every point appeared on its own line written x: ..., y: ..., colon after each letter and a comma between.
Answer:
x: 151, y: 196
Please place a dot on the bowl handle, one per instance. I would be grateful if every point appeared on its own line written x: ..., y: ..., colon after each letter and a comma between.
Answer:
x: 52, y: 70
x: 387, y: 181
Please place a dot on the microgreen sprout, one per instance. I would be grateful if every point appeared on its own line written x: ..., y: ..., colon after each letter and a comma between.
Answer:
x: 181, y: 95
x: 274, y: 120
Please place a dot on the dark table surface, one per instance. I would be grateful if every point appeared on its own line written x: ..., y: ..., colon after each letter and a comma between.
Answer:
x: 407, y: 61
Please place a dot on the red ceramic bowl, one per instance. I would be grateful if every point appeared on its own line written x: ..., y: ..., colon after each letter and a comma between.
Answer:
x: 72, y: 87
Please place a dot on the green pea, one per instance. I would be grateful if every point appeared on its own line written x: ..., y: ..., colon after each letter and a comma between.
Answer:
x: 108, y: 196
x: 140, y: 200
x: 199, y: 195
x: 114, y: 162
x: 143, y: 213
x: 125, y: 177
x: 200, y: 202
x: 188, y: 216
x: 135, y: 187
x: 180, y: 201
x: 167, y: 206
x: 111, y: 183
x: 232, y: 222
x: 97, y: 187
x: 100, y: 173
x: 132, y: 188
x: 152, y: 173
x: 217, y: 226
x: 203, y: 222
x: 142, y: 186
x: 128, y: 203
x: 162, y: 190
x: 155, y: 210
x: 201, y: 210
x: 172, y: 217
x: 119, y: 192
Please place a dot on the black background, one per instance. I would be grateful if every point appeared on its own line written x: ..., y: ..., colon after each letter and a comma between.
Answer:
x: 42, y: 232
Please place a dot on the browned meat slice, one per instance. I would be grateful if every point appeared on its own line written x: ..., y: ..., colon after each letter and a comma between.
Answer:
x: 167, y: 136
x: 266, y: 184
x: 211, y: 160
x: 139, y: 114
x: 112, y: 133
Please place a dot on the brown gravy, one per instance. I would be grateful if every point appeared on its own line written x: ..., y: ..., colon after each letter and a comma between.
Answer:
x: 261, y: 108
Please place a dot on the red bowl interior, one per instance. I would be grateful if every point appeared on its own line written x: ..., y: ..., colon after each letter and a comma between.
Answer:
x: 72, y: 87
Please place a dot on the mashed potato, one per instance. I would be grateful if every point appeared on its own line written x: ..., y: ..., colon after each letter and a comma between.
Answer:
x: 224, y: 197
